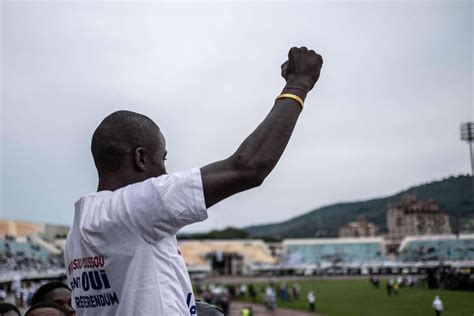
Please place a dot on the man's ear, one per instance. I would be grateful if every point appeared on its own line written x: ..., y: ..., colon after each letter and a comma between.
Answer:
x: 140, y: 158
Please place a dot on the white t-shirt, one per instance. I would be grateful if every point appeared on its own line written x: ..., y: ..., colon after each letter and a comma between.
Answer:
x: 438, y: 304
x: 121, y: 254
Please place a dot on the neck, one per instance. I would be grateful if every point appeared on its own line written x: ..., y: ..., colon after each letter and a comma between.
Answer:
x: 115, y: 181
x: 109, y: 185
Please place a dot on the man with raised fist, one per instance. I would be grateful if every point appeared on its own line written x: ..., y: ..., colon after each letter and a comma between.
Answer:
x: 121, y: 253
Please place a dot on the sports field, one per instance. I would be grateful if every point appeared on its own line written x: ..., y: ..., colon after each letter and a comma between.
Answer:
x: 359, y: 298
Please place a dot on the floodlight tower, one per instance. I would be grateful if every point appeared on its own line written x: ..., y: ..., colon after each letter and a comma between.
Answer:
x: 467, y: 134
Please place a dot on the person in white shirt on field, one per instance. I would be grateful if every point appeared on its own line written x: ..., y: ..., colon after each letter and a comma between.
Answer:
x: 311, y: 300
x: 437, y: 305
x: 121, y: 254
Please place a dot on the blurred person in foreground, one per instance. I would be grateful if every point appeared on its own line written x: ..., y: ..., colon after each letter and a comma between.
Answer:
x: 46, y: 309
x: 55, y: 292
x: 437, y: 305
x: 121, y: 254
x: 7, y: 309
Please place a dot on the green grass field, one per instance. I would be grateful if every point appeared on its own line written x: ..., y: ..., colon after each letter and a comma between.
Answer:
x: 359, y: 298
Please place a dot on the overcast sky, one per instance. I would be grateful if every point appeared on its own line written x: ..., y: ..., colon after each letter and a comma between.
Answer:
x: 385, y: 115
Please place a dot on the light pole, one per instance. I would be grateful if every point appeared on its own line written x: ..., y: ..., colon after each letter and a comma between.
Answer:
x: 467, y: 134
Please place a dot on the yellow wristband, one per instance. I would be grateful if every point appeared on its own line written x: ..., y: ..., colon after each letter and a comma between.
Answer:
x: 291, y: 96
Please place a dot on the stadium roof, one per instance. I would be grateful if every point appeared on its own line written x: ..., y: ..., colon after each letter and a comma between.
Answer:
x: 253, y: 251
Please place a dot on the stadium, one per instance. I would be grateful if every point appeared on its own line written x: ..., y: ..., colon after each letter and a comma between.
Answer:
x: 31, y: 254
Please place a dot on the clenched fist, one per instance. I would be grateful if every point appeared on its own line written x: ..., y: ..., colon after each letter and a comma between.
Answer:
x: 302, y: 68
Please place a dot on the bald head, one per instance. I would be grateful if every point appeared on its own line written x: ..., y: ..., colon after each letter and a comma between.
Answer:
x: 126, y: 142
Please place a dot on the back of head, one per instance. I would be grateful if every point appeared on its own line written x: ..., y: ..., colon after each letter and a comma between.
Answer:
x: 118, y: 135
x: 7, y: 307
x: 41, y: 292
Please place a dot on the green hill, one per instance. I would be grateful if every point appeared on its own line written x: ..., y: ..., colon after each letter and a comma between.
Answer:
x: 454, y: 195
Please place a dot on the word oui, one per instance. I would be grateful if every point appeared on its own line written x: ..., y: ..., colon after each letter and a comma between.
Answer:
x: 95, y: 280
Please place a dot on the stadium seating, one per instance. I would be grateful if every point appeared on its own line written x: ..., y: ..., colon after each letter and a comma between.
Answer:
x: 26, y: 260
x: 437, y: 250
x: 335, y: 252
x: 24, y: 249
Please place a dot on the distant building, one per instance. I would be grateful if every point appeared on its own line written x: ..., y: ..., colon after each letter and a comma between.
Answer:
x: 413, y: 218
x: 359, y: 228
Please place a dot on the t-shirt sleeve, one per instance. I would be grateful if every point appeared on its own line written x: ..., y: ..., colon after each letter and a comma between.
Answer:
x: 159, y: 207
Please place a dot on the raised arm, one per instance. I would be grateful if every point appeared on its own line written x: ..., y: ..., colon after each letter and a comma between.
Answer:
x: 259, y: 153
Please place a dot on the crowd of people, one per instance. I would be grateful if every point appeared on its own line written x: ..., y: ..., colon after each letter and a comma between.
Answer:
x: 48, y: 299
x: 269, y: 294
x: 395, y: 283
x: 454, y: 279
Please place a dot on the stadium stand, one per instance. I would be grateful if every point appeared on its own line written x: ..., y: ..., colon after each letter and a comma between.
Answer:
x: 33, y: 257
x: 23, y: 249
x: 52, y: 249
x: 437, y: 248
x: 24, y: 258
x: 334, y: 251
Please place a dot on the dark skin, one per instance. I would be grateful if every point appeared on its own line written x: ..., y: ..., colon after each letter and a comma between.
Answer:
x: 62, y: 297
x: 256, y: 156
